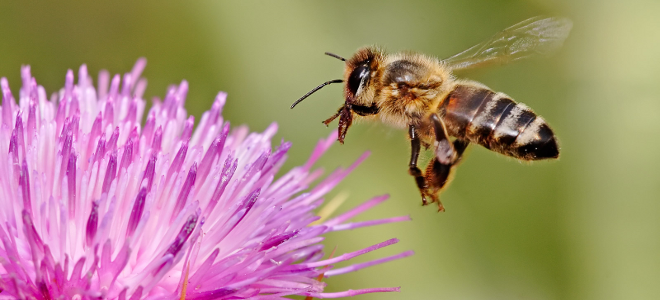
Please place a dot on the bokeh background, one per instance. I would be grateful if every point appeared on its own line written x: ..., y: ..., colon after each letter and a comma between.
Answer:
x: 583, y: 227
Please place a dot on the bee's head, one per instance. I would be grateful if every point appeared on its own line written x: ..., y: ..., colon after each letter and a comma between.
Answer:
x: 359, y: 76
x: 358, y: 96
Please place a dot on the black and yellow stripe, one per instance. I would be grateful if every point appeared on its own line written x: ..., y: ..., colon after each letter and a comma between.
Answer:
x: 473, y: 112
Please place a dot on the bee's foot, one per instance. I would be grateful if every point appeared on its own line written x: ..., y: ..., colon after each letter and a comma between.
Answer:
x: 433, y: 199
x: 428, y: 198
x: 441, y: 208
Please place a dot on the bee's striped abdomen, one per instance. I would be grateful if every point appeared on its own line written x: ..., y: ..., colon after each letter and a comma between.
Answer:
x: 493, y: 120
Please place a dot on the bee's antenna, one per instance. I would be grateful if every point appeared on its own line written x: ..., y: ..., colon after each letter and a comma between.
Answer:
x: 314, y: 90
x: 335, y: 56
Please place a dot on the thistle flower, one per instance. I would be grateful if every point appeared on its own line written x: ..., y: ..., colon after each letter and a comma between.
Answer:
x: 94, y: 205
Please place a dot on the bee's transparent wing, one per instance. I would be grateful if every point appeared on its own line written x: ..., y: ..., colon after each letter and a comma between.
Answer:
x: 535, y: 36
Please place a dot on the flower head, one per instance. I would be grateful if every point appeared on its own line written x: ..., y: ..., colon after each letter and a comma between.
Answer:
x: 95, y: 205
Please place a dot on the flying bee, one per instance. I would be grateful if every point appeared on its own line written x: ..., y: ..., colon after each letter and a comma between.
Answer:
x: 420, y: 93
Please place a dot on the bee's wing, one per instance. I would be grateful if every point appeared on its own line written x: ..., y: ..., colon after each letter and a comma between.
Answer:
x: 535, y: 36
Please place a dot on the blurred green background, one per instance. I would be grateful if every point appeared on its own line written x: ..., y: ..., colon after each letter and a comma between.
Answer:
x: 583, y: 227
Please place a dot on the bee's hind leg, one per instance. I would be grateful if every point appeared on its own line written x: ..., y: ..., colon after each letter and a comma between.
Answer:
x: 447, y: 155
x: 438, y: 172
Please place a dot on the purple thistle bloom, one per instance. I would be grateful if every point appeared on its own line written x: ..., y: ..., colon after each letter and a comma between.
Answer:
x: 94, y: 205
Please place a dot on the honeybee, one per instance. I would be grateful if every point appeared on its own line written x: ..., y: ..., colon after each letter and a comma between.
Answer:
x: 420, y: 93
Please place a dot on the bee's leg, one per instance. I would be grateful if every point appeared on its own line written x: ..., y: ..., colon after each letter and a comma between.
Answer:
x: 447, y: 155
x: 345, y: 115
x: 414, y: 170
x: 460, y: 146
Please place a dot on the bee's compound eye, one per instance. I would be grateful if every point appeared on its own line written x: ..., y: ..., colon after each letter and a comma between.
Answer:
x: 360, y: 73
